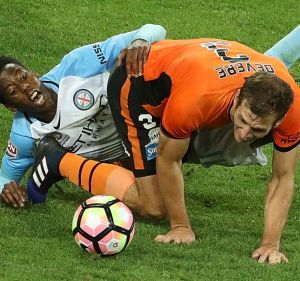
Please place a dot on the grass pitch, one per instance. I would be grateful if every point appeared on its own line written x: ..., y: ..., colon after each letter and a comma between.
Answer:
x: 225, y: 204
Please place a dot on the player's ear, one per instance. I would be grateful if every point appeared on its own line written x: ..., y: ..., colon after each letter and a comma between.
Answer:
x: 236, y: 99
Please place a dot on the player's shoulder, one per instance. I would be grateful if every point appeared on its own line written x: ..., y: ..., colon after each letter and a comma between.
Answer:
x: 21, y: 124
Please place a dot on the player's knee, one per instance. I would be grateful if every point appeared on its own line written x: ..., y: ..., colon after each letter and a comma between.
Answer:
x: 150, y: 201
x: 146, y: 210
x: 153, y: 211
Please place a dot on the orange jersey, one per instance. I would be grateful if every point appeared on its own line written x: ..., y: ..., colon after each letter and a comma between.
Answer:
x: 204, y: 75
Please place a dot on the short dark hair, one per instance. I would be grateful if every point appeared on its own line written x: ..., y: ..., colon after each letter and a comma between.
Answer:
x: 266, y: 94
x: 4, y: 60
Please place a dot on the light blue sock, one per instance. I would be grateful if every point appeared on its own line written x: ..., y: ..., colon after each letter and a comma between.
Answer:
x: 288, y: 48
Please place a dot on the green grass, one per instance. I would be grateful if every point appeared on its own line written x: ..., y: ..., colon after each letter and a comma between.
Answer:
x: 225, y: 205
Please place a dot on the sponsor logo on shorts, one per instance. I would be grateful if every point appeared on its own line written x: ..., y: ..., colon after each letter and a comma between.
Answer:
x: 83, y: 99
x: 151, y: 150
x: 151, y: 147
x: 154, y: 135
x: 11, y: 150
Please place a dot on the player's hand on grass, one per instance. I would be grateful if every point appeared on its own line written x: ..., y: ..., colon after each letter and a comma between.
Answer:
x: 178, y: 235
x: 135, y: 57
x: 269, y: 254
x: 13, y: 194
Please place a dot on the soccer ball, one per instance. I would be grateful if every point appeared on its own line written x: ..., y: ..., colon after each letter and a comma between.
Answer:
x: 103, y: 225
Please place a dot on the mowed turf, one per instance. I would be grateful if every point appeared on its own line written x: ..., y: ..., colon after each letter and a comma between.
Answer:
x: 225, y: 204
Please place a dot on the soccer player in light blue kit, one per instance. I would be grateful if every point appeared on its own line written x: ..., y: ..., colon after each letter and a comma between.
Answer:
x: 83, y: 100
x: 70, y: 100
x: 85, y: 124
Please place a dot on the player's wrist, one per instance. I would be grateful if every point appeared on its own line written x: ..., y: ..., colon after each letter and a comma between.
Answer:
x: 181, y: 226
x: 268, y: 242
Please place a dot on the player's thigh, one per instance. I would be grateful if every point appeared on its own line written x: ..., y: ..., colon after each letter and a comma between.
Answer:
x: 138, y: 129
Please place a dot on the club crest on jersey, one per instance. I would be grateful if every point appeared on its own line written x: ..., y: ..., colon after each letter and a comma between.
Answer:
x: 11, y: 150
x: 83, y: 99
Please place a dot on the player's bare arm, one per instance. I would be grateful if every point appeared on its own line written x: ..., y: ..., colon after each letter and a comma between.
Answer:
x: 277, y: 203
x: 170, y: 180
x: 13, y: 194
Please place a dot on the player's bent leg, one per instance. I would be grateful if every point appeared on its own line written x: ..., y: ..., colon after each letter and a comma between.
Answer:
x: 132, y: 199
x: 144, y: 198
x: 96, y: 177
x: 53, y: 162
x: 150, y: 198
x: 139, y: 131
x: 140, y: 195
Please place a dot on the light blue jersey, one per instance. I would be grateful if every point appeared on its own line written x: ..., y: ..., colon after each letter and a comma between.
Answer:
x: 83, y: 121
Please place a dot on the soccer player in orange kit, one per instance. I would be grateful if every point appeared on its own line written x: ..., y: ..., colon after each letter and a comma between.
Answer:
x: 192, y: 84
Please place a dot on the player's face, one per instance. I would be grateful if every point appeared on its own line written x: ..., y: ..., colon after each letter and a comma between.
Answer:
x: 248, y: 127
x: 23, y: 89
